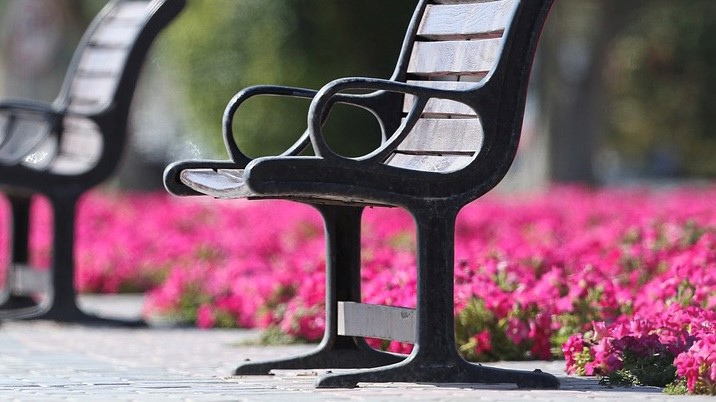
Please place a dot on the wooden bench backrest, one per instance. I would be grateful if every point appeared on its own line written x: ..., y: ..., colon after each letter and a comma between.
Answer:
x: 101, y: 81
x: 457, y: 43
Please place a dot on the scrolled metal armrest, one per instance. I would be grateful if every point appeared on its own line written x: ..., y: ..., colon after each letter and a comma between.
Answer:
x: 272, y: 90
x: 27, y: 105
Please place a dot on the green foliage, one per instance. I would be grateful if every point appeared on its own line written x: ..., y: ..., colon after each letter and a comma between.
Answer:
x: 656, y: 370
x: 223, y: 319
x: 663, y: 85
x: 218, y: 47
x: 677, y: 388
x: 581, y: 359
x: 186, y: 311
x: 620, y: 378
x: 703, y: 386
x: 273, y: 335
x: 476, y: 318
x: 276, y: 304
x: 569, y: 324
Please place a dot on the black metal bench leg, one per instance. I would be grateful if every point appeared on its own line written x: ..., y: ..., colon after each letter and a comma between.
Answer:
x: 435, y: 358
x: 60, y: 303
x: 20, y: 234
x: 342, y: 227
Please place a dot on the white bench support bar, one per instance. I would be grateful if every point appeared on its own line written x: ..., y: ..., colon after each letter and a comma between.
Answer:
x: 29, y: 281
x: 376, y: 321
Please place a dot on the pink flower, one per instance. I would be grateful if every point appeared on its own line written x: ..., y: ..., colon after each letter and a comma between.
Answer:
x: 304, y: 323
x: 574, y: 346
x: 483, y: 342
x: 634, y: 279
x: 600, y: 330
x: 517, y: 330
x: 205, y: 317
x: 607, y: 358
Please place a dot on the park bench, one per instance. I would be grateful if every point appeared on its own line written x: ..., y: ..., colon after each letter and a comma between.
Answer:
x: 451, y: 116
x: 63, y: 149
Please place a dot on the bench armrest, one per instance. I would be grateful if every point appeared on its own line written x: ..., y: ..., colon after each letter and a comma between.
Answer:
x: 272, y: 90
x: 368, y: 102
x: 27, y: 106
x: 328, y: 94
x: 15, y: 112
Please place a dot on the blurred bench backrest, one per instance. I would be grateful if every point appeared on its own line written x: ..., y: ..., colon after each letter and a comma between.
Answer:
x: 94, y: 79
x: 99, y: 85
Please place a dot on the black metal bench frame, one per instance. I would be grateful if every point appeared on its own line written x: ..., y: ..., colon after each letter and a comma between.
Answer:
x: 141, y: 21
x: 340, y: 187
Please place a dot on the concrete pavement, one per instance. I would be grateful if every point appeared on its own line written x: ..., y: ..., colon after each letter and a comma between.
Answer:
x: 42, y: 361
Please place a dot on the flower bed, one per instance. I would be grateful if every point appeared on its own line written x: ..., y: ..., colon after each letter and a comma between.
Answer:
x: 620, y: 282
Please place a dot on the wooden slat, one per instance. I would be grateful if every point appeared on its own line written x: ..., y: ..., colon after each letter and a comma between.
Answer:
x: 429, y: 163
x: 83, y: 144
x: 462, y: 1
x: 73, y: 124
x: 225, y: 183
x: 444, y: 136
x: 439, y: 145
x: 441, y: 107
x: 71, y: 165
x: 375, y: 321
x: 449, y: 85
x: 234, y: 174
x: 474, y: 20
x: 454, y: 57
x: 114, y: 35
x: 131, y: 11
x: 81, y: 138
x: 102, y: 61
x: 89, y: 92
x: 93, y: 88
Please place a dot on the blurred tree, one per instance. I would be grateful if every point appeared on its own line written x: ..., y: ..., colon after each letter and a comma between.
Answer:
x: 576, y: 47
x: 37, y: 38
x: 633, y: 80
x: 662, y: 83
x: 221, y: 46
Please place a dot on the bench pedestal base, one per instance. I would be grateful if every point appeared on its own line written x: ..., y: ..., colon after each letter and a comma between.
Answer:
x: 15, y: 302
x: 414, y: 370
x: 56, y: 285
x: 342, y: 227
x: 346, y: 352
x: 434, y: 358
x: 68, y: 313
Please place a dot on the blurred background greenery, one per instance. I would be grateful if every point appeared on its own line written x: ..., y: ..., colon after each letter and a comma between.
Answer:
x: 623, y: 90
x: 629, y: 89
x: 221, y: 46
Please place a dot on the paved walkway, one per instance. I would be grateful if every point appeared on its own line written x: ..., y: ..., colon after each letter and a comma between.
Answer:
x: 45, y: 361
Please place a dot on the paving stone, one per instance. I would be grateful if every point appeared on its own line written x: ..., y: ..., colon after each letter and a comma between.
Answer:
x: 47, y: 361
